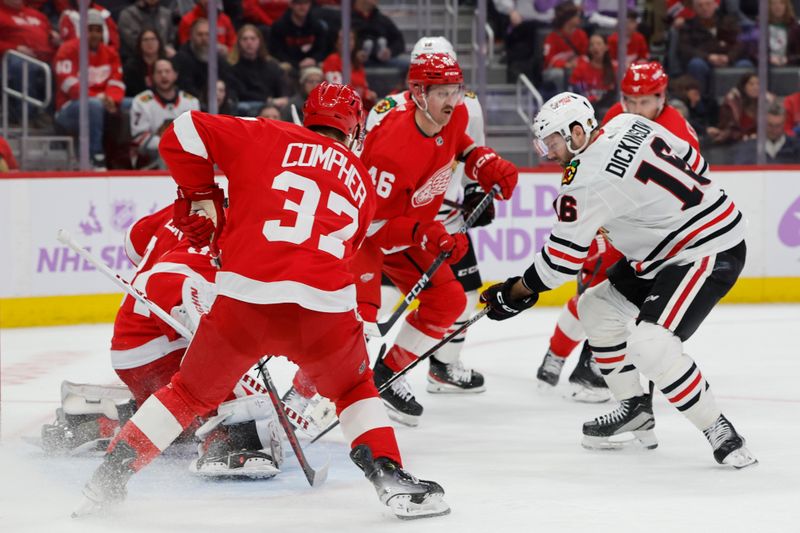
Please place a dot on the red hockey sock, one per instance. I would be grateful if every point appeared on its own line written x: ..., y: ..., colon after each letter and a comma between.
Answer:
x: 398, y: 358
x: 560, y: 344
x: 381, y: 442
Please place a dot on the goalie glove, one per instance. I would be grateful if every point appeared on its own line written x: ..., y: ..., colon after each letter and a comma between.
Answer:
x: 501, y: 304
x: 489, y: 169
x: 200, y: 216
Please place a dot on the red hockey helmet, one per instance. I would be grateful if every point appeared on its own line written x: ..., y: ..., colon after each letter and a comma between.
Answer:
x: 336, y: 106
x: 645, y: 78
x: 434, y: 69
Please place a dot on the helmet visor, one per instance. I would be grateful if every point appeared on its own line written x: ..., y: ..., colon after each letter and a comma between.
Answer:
x: 548, y: 145
x: 450, y: 94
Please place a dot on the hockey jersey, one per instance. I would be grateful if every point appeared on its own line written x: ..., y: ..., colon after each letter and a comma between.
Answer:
x: 670, y: 118
x: 105, y: 73
x: 150, y: 114
x: 165, y: 266
x: 411, y: 171
x: 301, y: 204
x: 650, y: 192
x: 450, y: 217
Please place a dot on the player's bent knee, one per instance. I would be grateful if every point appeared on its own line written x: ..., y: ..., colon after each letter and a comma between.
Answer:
x: 653, y: 349
x: 603, y: 316
x: 442, y: 305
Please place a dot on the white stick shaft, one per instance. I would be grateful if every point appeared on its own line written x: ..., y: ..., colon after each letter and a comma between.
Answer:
x: 140, y: 297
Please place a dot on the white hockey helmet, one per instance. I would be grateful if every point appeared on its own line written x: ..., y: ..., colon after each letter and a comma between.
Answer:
x: 433, y: 45
x: 557, y: 115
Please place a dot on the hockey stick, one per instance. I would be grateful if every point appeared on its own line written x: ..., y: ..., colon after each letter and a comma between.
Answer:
x: 384, y: 327
x: 139, y: 296
x: 411, y: 365
x: 312, y: 476
x: 315, y: 477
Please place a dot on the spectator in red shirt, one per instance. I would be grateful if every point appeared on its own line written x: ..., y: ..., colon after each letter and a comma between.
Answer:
x: 226, y: 35
x: 332, y: 67
x: 106, y: 88
x: 563, y: 46
x: 792, y: 106
x: 738, y: 113
x: 69, y: 24
x: 637, y: 44
x: 594, y: 76
x: 28, y: 32
x: 7, y: 161
x: 264, y: 12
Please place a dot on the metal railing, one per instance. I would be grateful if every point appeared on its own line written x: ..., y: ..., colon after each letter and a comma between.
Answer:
x: 23, y: 94
x: 451, y: 22
x: 477, y: 49
x: 529, y: 101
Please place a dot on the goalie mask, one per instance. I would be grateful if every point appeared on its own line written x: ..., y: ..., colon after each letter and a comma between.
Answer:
x: 558, y: 115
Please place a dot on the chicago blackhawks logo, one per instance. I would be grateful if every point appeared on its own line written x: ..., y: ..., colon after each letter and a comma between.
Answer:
x: 436, y: 185
x: 385, y: 105
x: 569, y: 172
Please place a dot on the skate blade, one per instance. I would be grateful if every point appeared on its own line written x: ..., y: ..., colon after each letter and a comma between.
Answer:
x: 545, y: 388
x: 741, y: 458
x: 402, y: 418
x: 582, y: 394
x: 89, y: 508
x: 645, y: 439
x: 437, y: 387
x: 405, y: 509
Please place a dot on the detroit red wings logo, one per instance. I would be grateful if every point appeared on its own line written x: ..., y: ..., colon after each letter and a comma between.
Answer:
x: 436, y: 185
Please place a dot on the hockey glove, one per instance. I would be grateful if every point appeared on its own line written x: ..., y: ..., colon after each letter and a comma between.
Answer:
x: 487, y: 168
x: 200, y: 216
x: 501, y: 305
x: 473, y: 194
x: 432, y: 237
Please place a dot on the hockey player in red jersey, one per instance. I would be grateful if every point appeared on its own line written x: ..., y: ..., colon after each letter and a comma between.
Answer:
x: 644, y: 91
x: 241, y: 439
x: 683, y: 242
x: 301, y: 204
x: 410, y: 156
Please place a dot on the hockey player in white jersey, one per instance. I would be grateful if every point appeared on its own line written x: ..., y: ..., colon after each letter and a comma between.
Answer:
x: 683, y: 239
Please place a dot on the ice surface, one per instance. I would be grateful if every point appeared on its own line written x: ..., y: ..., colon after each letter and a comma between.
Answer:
x: 509, y: 459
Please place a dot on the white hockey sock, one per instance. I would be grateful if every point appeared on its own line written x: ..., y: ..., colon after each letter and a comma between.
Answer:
x: 451, y: 352
x: 658, y: 353
x: 621, y: 376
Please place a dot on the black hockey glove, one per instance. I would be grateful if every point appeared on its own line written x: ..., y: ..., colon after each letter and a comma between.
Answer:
x: 473, y: 194
x: 501, y: 306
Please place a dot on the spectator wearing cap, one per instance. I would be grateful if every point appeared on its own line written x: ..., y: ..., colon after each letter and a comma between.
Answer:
x: 106, y: 88
x: 310, y: 77
x: 738, y: 114
x: 780, y: 149
x: 261, y: 78
x: 226, y: 35
x: 563, y: 46
x: 298, y: 39
x: 69, y: 24
x: 708, y: 41
x: 637, y: 45
x: 380, y: 38
x: 191, y: 62
x: 28, y: 32
x: 145, y: 15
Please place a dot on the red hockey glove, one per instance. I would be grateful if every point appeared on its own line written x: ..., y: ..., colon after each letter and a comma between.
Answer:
x: 501, y: 304
x: 432, y: 237
x: 487, y: 168
x: 200, y: 216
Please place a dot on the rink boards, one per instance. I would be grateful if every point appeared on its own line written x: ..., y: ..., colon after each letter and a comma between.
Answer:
x: 42, y: 282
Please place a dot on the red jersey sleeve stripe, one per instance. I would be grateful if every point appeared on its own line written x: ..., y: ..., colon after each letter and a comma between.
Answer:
x: 565, y: 257
x: 187, y: 135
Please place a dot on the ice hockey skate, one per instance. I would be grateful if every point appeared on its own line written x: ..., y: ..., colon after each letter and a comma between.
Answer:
x: 586, y: 383
x: 630, y: 423
x: 232, y: 458
x: 108, y: 484
x: 729, y: 448
x: 550, y: 370
x: 407, y: 496
x: 399, y: 398
x: 453, y: 378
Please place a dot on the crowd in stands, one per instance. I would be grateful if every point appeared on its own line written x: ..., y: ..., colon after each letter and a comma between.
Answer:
x: 148, y: 60
x: 572, y: 45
